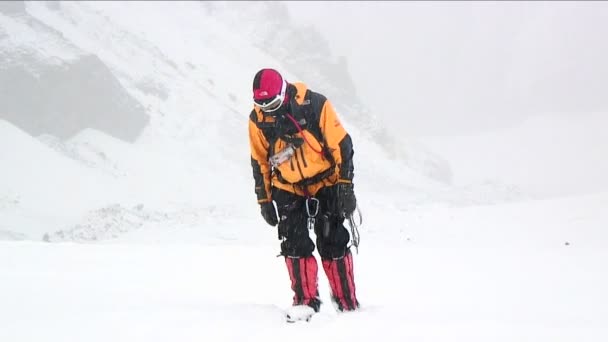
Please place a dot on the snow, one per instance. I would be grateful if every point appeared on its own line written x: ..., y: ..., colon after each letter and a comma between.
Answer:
x: 35, y: 192
x: 477, y: 274
x: 19, y: 32
x: 161, y: 239
x: 546, y: 155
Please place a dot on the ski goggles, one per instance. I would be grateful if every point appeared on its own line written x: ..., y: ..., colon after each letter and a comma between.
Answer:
x: 272, y: 104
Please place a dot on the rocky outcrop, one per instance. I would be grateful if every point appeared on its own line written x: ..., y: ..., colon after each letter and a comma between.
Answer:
x: 64, y: 99
x: 12, y: 7
x: 49, y: 86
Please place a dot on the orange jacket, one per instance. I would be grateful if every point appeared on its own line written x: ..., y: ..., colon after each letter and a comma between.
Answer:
x: 324, y: 150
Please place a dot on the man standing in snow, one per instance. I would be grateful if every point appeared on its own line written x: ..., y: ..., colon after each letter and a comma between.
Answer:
x: 302, y: 160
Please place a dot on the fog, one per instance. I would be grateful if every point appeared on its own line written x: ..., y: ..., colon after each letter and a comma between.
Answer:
x: 513, y: 91
x: 126, y: 184
x: 467, y: 93
x: 466, y: 67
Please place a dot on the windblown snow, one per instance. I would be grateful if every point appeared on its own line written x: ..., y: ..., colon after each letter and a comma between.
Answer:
x: 160, y: 238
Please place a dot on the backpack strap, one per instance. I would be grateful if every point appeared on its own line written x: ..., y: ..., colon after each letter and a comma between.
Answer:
x: 312, y: 107
x: 308, y: 114
x: 268, y: 130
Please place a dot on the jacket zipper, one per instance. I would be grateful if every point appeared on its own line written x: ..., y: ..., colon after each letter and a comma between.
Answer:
x: 303, y: 158
x: 298, y: 164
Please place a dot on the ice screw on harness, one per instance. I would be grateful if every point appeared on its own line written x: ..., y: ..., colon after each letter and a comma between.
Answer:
x: 354, y: 229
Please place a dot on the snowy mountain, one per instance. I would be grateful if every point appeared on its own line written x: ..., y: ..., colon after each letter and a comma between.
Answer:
x: 42, y: 68
x: 176, y: 87
x: 139, y: 175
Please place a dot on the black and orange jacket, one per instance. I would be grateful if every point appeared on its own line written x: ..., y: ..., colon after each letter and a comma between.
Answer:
x: 324, y: 153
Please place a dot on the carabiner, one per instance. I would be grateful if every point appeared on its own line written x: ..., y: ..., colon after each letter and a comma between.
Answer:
x: 316, y: 209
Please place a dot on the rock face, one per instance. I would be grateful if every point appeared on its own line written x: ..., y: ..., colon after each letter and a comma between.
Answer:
x: 12, y: 7
x: 45, y: 93
x: 64, y: 99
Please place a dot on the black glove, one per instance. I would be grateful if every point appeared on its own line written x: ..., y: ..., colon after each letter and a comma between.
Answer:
x: 347, y: 202
x: 269, y: 213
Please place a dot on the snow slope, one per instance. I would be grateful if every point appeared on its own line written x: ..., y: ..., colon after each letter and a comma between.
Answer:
x: 44, y: 187
x: 193, y: 80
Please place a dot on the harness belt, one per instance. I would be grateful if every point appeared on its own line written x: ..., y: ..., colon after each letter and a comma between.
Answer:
x: 308, y: 181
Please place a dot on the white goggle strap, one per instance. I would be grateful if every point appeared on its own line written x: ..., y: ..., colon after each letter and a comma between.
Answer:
x: 280, y: 97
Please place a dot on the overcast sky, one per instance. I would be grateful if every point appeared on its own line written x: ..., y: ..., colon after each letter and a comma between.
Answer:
x: 515, y: 91
x: 463, y: 67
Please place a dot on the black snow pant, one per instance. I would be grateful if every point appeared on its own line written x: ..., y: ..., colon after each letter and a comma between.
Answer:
x: 332, y: 236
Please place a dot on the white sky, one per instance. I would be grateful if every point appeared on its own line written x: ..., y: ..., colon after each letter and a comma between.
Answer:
x: 503, y: 90
x: 439, y: 68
